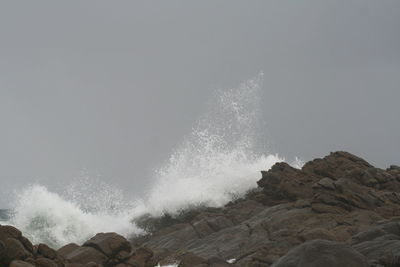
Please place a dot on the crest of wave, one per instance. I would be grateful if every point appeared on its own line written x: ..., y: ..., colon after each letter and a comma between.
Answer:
x: 217, y: 162
x: 85, y: 208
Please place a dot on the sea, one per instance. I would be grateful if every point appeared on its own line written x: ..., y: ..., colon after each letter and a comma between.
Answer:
x: 219, y: 160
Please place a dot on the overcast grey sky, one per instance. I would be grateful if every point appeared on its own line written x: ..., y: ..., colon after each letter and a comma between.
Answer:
x: 111, y: 87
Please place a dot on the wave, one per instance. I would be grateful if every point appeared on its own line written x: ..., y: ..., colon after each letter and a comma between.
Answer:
x: 214, y: 164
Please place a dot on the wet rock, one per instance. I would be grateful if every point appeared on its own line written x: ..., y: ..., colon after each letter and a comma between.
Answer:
x: 319, y: 253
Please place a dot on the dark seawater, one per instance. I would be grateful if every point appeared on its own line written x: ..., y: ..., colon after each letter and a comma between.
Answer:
x: 4, y: 215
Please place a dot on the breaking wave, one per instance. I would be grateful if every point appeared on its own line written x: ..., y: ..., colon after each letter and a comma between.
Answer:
x: 214, y: 164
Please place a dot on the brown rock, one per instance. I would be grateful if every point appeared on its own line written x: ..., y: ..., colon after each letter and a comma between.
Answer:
x: 109, y: 243
x: 19, y: 263
x: 26, y: 243
x: 73, y: 265
x: 43, y: 262
x: 217, y: 262
x: 15, y: 250
x: 85, y: 255
x: 65, y: 250
x: 8, y: 231
x: 140, y: 257
x: 46, y: 251
x: 3, y: 251
x: 92, y: 264
x: 189, y: 259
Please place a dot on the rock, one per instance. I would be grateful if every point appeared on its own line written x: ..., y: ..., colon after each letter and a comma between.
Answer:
x: 386, y: 252
x: 317, y: 233
x: 46, y: 251
x: 109, y: 243
x: 26, y: 243
x: 325, y: 253
x: 73, y: 265
x: 140, y: 257
x: 85, y: 255
x: 7, y: 231
x: 19, y: 263
x: 92, y: 264
x: 326, y: 183
x: 189, y: 259
x: 65, y: 250
x: 15, y: 250
x: 284, y: 183
x: 217, y: 262
x: 43, y: 262
x: 336, y: 165
x: 3, y: 251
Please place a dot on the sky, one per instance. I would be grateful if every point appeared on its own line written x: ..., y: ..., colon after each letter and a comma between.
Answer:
x: 110, y: 88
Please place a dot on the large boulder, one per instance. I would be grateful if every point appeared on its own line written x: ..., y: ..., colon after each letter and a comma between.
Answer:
x: 317, y: 253
x: 65, y: 250
x: 15, y: 250
x: 109, y: 244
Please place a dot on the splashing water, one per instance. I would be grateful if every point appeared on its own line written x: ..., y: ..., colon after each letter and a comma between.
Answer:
x: 214, y: 164
x: 217, y: 161
x: 49, y: 218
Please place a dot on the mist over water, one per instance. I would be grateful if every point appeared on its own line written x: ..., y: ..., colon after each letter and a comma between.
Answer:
x: 214, y: 164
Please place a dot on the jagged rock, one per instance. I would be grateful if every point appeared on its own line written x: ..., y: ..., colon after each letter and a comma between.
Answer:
x: 283, y: 183
x: 109, y: 243
x: 325, y: 253
x: 85, y: 255
x: 337, y: 198
x: 336, y: 165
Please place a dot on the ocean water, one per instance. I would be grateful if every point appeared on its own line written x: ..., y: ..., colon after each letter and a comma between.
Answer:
x: 216, y: 162
x: 5, y: 215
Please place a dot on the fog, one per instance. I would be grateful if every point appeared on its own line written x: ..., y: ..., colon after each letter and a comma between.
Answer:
x: 108, y: 89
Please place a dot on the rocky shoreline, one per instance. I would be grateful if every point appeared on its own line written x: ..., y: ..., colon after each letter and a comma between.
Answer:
x: 335, y: 211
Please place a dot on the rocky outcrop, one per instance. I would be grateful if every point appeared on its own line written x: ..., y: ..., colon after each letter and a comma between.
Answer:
x: 335, y: 211
x: 340, y: 199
